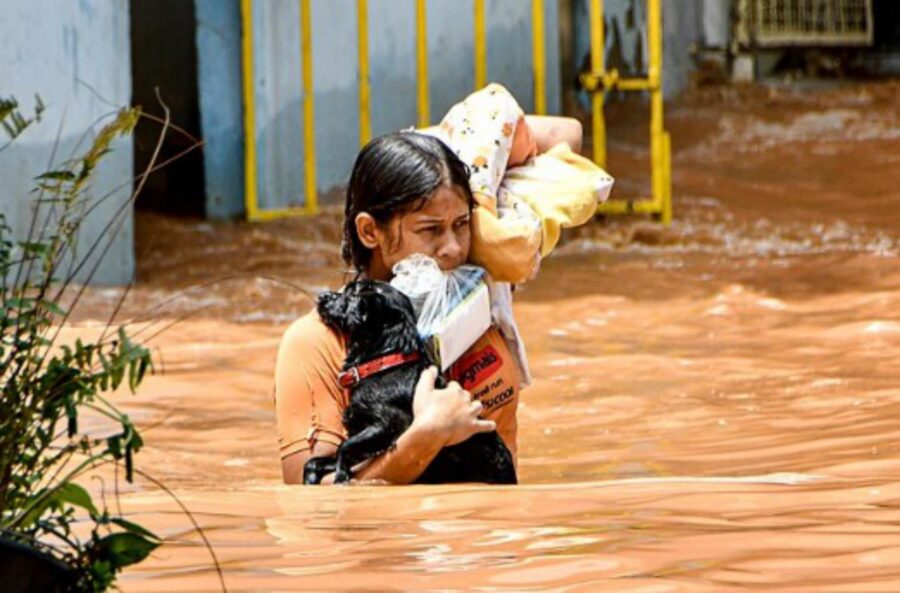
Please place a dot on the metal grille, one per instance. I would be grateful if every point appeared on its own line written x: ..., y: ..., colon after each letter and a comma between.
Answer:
x: 813, y: 22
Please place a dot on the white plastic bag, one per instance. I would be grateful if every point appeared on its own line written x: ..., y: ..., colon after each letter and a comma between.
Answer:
x: 453, y: 308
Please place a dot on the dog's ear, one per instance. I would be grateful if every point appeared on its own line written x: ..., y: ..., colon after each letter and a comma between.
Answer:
x: 332, y: 308
x: 344, y: 311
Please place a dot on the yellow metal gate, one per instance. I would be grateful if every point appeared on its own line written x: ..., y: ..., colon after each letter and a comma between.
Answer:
x: 251, y: 197
x: 599, y: 81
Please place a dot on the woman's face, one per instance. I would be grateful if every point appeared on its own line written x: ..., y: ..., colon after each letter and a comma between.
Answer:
x: 440, y: 230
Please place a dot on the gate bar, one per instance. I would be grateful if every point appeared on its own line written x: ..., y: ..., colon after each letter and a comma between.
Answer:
x: 365, y: 89
x: 251, y: 190
x: 598, y: 65
x: 309, y: 122
x: 422, y: 64
x: 599, y: 80
x: 480, y: 43
x: 539, y: 57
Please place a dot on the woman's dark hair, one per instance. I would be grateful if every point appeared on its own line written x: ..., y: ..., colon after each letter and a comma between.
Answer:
x: 396, y: 174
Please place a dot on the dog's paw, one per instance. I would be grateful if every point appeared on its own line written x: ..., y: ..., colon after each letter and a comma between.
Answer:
x: 342, y: 477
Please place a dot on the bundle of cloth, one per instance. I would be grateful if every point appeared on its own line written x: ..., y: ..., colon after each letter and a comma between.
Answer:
x: 519, y: 211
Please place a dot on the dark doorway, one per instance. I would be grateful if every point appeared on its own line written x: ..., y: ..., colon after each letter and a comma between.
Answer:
x: 164, y: 60
x: 886, y: 18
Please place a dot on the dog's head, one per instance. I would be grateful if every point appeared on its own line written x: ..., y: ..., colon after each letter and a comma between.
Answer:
x: 368, y: 310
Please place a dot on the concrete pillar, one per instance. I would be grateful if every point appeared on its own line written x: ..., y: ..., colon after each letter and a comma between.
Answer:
x: 76, y: 56
x: 221, y: 105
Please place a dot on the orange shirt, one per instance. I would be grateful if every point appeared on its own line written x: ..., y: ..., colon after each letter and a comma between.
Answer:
x: 310, y: 403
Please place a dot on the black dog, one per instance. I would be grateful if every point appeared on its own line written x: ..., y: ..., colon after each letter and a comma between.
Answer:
x: 385, y: 357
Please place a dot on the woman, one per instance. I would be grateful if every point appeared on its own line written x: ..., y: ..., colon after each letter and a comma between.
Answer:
x: 408, y: 193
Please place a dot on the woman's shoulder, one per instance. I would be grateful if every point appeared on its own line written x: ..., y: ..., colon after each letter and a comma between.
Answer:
x: 309, y: 334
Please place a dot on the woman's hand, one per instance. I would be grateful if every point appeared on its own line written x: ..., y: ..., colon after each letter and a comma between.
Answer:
x: 450, y: 414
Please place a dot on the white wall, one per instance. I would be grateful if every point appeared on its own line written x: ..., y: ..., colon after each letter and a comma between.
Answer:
x: 76, y: 56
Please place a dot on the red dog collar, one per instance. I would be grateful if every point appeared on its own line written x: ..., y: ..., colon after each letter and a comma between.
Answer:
x: 354, y: 375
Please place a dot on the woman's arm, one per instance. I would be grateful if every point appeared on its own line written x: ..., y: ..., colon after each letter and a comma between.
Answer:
x: 442, y: 417
x: 415, y: 449
x: 292, y: 465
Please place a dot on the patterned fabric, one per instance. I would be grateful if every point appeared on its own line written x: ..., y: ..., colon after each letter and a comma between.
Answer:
x: 480, y: 130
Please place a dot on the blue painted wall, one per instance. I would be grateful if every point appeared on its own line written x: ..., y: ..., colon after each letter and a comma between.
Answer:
x: 221, y: 117
x: 278, y: 72
x: 76, y: 56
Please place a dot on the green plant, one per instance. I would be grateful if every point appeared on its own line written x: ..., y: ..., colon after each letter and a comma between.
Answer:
x: 47, y: 385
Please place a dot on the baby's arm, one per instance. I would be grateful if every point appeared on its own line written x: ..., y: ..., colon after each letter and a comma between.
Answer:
x: 536, y: 134
x: 550, y: 130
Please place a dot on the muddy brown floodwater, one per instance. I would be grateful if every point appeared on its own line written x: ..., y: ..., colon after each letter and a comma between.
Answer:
x: 716, y: 404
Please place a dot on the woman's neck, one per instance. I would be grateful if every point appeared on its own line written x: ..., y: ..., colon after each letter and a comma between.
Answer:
x: 377, y: 270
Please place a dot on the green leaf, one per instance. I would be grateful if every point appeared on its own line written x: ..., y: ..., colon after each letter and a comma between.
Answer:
x: 114, y: 444
x: 116, y: 373
x: 145, y: 363
x: 132, y: 376
x: 124, y: 549
x: 7, y: 106
x: 133, y: 527
x: 67, y: 493
x: 61, y: 175
x: 20, y: 303
x: 35, y: 513
x: 72, y: 417
x: 102, y: 574
x: 76, y: 495
x: 34, y: 247
x: 135, y: 442
x: 129, y: 464
x: 54, y: 308
x: 104, y: 363
x: 39, y: 107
